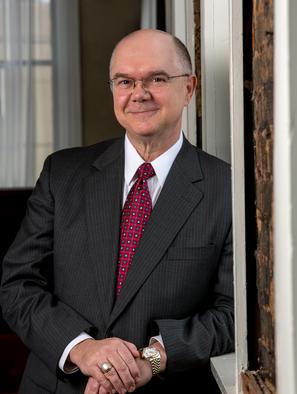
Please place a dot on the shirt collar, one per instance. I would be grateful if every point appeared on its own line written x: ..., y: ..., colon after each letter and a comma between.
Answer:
x: 161, y: 164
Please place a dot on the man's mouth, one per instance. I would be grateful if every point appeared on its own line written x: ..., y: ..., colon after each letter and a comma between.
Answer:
x: 141, y: 111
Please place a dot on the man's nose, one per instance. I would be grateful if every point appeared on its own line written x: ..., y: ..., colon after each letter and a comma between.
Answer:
x: 139, y: 91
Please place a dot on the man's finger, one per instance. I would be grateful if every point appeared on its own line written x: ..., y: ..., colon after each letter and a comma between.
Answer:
x: 116, y: 381
x: 133, y: 349
x: 92, y: 386
x: 103, y: 391
x: 120, y: 376
x: 129, y: 360
x: 100, y: 378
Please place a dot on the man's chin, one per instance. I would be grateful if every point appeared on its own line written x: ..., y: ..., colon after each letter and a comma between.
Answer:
x: 142, y: 133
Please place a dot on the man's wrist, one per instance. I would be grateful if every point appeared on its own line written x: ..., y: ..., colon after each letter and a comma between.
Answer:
x: 163, y: 355
x: 156, y: 356
x: 76, y: 352
x: 157, y: 338
x: 64, y: 363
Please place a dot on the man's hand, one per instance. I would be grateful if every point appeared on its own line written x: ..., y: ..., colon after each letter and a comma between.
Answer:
x: 94, y: 387
x: 90, y: 354
x: 145, y: 374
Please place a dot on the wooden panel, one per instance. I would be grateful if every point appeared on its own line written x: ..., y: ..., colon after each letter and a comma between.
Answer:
x: 253, y: 384
x: 12, y: 209
x: 12, y: 361
x: 263, y: 148
x: 198, y: 70
x: 13, y: 353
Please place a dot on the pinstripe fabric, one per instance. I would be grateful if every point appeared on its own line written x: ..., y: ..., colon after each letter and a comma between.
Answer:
x: 59, y: 275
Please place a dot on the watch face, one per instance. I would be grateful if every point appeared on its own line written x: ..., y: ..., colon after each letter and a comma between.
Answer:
x: 150, y: 352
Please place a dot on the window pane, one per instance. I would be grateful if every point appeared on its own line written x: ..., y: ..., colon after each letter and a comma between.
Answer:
x: 26, y: 120
x: 42, y: 30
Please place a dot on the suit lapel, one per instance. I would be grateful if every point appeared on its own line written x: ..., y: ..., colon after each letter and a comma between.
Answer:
x: 103, y: 193
x: 176, y: 202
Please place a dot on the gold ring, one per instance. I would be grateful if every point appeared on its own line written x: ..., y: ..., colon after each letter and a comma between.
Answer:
x: 105, y: 367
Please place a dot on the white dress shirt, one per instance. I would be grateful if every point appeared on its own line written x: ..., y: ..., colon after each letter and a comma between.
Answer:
x: 133, y: 160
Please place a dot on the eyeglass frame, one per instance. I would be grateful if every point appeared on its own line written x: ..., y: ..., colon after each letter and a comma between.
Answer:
x: 130, y: 90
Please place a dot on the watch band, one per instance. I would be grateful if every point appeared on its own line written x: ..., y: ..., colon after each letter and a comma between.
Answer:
x: 153, y: 356
x: 156, y: 365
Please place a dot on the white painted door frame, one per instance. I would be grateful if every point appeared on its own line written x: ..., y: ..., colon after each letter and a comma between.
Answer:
x: 223, y: 136
x: 238, y: 187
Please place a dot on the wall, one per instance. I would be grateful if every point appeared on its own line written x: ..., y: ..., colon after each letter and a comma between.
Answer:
x: 102, y: 25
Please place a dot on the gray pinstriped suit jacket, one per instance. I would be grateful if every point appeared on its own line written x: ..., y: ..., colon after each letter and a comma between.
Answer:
x: 59, y: 274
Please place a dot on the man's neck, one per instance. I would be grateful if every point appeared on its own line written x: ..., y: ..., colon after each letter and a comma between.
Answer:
x: 151, y: 148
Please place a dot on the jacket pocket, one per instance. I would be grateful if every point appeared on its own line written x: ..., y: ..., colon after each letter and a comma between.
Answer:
x: 201, y: 254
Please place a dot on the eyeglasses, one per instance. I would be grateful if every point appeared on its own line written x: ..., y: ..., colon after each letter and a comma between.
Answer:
x: 156, y: 82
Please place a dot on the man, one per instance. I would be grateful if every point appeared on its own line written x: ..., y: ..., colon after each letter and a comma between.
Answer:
x: 86, y: 287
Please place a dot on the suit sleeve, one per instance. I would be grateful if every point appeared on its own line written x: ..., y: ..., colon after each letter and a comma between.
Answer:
x: 44, y: 323
x: 190, y: 342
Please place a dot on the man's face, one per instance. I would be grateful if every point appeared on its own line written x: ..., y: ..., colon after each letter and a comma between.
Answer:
x: 150, y: 111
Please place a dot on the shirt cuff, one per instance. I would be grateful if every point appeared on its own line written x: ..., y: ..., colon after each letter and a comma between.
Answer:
x: 71, y: 368
x: 157, y: 338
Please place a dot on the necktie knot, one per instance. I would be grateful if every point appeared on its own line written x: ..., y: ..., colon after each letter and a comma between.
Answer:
x: 145, y: 171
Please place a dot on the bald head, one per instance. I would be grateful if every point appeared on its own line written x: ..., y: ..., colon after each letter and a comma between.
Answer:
x: 146, y: 36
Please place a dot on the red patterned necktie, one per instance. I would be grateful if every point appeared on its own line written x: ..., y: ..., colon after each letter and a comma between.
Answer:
x: 135, y: 214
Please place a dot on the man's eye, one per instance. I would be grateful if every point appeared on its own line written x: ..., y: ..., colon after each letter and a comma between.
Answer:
x: 124, y: 83
x: 159, y: 79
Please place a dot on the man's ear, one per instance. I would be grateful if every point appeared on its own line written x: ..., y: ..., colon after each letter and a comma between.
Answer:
x: 191, y: 87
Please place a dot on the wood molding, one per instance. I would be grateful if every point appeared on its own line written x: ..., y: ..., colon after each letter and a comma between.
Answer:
x: 252, y: 383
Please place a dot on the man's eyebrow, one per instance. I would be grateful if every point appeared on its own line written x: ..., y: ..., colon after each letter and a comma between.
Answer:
x: 121, y: 75
x: 158, y: 72
x: 154, y: 72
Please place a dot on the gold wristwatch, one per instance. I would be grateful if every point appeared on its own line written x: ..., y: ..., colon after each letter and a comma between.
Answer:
x: 153, y: 356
